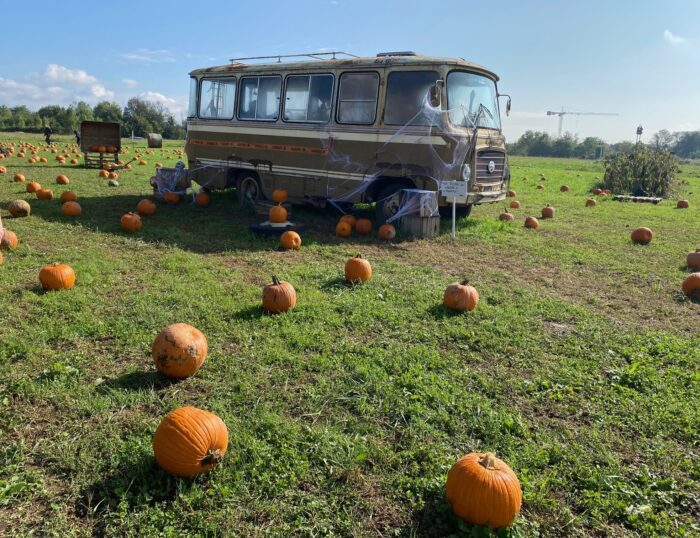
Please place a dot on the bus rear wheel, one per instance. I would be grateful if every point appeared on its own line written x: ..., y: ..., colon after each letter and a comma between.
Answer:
x: 388, y: 202
x: 248, y: 190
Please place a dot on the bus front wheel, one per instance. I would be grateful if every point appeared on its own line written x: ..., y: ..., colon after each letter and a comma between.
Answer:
x: 248, y: 190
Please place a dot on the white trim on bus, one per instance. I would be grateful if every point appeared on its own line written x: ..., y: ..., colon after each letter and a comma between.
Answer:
x: 321, y: 135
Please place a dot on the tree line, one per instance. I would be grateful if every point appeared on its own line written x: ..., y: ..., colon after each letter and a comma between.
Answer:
x: 138, y: 116
x: 684, y: 144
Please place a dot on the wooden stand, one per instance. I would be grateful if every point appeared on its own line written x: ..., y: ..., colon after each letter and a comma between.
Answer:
x: 417, y: 226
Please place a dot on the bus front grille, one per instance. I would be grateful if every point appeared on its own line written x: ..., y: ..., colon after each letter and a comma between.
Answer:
x: 482, y: 166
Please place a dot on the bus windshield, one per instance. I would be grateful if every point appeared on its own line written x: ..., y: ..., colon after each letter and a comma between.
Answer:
x: 472, y: 100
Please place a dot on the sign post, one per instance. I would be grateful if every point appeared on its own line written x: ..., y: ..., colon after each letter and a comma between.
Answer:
x: 453, y: 190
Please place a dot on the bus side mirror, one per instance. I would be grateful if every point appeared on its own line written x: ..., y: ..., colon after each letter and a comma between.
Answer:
x: 436, y: 93
x: 507, y: 102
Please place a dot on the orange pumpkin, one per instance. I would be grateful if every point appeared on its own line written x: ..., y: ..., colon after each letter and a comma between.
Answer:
x: 691, y: 285
x: 19, y: 178
x: 202, y: 199
x: 506, y: 216
x: 363, y: 226
x: 358, y: 269
x: 515, y: 204
x: 597, y: 191
x: 642, y: 236
x: 280, y: 196
x: 277, y: 214
x: 43, y: 160
x: 44, y: 194
x: 71, y: 209
x: 540, y: 186
x: 683, y: 204
x: 511, y: 194
x: 548, y: 212
x: 57, y: 276
x: 386, y: 232
x: 531, y: 222
x: 171, y: 197
x: 350, y: 219
x: 461, y: 296
x: 279, y: 296
x: 190, y: 441
x: 142, y: 162
x: 3, y: 170
x: 591, y: 202
x: 113, y: 175
x: 145, y: 207
x: 33, y: 186
x: 2, y: 258
x: 483, y: 490
x: 158, y: 165
x: 343, y: 229
x: 290, y: 240
x: 62, y: 180
x: 104, y: 174
x: 693, y: 259
x: 131, y: 222
x: 564, y: 188
x: 9, y: 240
x: 179, y: 350
x: 68, y: 196
x: 111, y: 149
x: 74, y: 161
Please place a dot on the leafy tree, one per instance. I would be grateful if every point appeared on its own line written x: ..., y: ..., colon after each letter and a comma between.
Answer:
x: 142, y: 117
x: 688, y: 145
x: 106, y: 111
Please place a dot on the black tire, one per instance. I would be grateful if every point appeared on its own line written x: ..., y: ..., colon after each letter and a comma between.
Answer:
x: 387, y: 205
x: 461, y: 211
x: 248, y: 189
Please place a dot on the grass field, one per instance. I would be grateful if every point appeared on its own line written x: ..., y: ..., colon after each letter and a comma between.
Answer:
x: 580, y: 367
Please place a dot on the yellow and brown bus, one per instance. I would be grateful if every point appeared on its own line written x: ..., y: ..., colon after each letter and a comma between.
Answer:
x: 344, y: 129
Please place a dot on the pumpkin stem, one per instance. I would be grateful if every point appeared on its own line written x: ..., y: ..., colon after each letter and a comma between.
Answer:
x: 359, y: 256
x: 488, y: 461
x: 465, y: 282
x: 275, y: 280
x: 213, y: 457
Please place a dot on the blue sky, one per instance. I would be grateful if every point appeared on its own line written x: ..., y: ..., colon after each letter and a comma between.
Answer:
x: 640, y: 58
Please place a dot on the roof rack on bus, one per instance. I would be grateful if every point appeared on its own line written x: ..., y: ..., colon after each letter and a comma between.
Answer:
x: 314, y: 55
x: 399, y: 53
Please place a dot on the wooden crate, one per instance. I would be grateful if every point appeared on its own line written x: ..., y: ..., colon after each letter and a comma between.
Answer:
x: 262, y: 208
x: 417, y: 226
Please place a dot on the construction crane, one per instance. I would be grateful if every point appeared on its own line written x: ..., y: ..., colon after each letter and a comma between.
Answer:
x: 561, y: 113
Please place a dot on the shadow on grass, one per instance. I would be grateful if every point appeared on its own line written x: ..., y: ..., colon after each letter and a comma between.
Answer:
x: 335, y: 284
x: 250, y: 313
x: 137, y: 381
x: 138, y: 481
x: 440, y: 311
x: 436, y: 519
x: 221, y: 227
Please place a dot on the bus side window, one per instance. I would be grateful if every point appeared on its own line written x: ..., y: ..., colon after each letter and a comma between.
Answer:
x: 357, y: 98
x: 259, y: 98
x: 308, y: 98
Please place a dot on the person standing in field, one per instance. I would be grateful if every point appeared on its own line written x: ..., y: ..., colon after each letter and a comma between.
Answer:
x: 47, y: 134
x: 77, y: 137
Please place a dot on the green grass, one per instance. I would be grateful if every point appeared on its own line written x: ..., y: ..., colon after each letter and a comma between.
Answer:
x: 579, y: 367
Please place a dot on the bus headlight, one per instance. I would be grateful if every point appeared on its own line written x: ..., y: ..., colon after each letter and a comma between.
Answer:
x: 466, y: 172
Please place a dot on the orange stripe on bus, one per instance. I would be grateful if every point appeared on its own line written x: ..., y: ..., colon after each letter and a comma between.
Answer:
x: 257, y: 145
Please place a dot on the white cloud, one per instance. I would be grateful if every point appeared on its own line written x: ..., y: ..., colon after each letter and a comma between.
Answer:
x: 672, y: 38
x: 57, y: 85
x: 176, y: 105
x: 129, y: 83
x: 149, y: 56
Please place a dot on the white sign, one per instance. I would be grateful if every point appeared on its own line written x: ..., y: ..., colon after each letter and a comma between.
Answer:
x: 453, y: 189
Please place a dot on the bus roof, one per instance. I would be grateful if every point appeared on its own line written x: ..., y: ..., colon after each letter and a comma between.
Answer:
x: 359, y: 62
